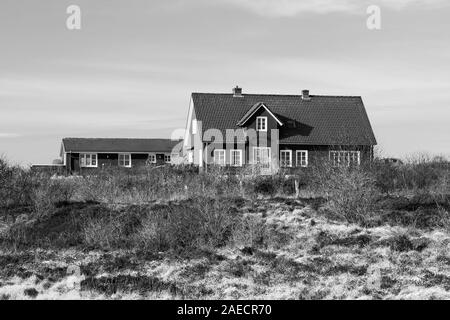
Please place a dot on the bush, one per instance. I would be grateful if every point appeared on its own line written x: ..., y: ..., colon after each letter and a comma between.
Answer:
x: 47, y: 193
x: 265, y: 185
x: 419, y: 173
x: 103, y: 233
x: 198, y: 222
x: 15, y: 185
x: 351, y: 193
x: 249, y: 232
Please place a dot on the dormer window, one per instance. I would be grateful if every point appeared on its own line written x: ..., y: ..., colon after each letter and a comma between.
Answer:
x: 261, y: 123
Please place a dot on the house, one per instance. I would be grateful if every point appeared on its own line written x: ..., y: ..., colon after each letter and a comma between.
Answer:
x: 87, y: 154
x: 273, y: 130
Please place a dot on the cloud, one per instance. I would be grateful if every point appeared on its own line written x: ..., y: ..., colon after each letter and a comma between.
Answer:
x: 8, y: 135
x: 289, y: 8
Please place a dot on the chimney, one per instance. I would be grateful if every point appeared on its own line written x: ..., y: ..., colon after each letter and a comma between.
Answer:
x: 305, y: 95
x: 237, y: 92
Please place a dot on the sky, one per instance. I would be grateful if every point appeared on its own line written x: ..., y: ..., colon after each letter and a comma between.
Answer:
x: 130, y: 69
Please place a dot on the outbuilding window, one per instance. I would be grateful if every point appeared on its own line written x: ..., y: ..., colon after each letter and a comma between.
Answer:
x: 88, y: 160
x: 125, y: 160
x: 152, y: 158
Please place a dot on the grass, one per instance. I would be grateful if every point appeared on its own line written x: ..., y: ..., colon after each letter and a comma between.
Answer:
x: 327, y: 260
x: 171, y: 233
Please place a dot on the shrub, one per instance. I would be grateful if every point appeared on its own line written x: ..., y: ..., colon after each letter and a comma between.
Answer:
x: 168, y: 227
x: 49, y: 192
x: 15, y: 185
x: 419, y: 173
x: 198, y: 222
x: 249, y: 232
x: 101, y: 233
x: 351, y: 193
x: 387, y: 177
x: 265, y: 185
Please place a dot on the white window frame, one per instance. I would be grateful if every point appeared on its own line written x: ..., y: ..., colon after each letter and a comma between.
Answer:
x: 255, y: 149
x: 347, y: 157
x: 263, y: 122
x: 154, y: 157
x: 301, y: 164
x: 124, y: 160
x: 165, y: 158
x: 84, y: 160
x: 232, y: 152
x: 282, y: 164
x: 217, y: 157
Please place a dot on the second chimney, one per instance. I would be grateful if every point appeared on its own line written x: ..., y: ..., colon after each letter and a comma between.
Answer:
x: 305, y: 95
x: 237, y: 92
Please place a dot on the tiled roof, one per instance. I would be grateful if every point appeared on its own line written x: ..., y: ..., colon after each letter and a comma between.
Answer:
x: 118, y: 145
x: 322, y: 120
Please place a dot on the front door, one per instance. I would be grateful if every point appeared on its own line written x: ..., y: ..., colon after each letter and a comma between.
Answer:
x: 74, y: 164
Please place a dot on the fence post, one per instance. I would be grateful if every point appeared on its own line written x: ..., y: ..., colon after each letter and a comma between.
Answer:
x: 297, y: 191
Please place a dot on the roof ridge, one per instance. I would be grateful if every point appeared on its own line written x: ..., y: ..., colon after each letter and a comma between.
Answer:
x: 278, y: 94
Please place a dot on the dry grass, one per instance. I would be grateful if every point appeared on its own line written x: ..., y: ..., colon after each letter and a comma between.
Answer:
x: 171, y: 233
x: 318, y: 259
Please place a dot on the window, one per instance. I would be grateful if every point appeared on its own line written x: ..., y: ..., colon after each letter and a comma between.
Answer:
x: 236, y: 158
x: 88, y: 160
x: 286, y: 158
x: 125, y: 160
x: 219, y: 157
x: 291, y: 124
x: 261, y: 123
x: 344, y: 158
x: 261, y: 156
x: 152, y: 158
x: 301, y: 158
x: 167, y: 158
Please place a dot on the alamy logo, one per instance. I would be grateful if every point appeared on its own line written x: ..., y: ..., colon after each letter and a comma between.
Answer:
x: 73, y: 22
x: 374, y: 19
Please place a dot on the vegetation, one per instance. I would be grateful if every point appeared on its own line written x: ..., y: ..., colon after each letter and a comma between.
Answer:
x: 317, y: 233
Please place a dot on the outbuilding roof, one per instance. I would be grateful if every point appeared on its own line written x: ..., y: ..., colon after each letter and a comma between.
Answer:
x: 117, y: 145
